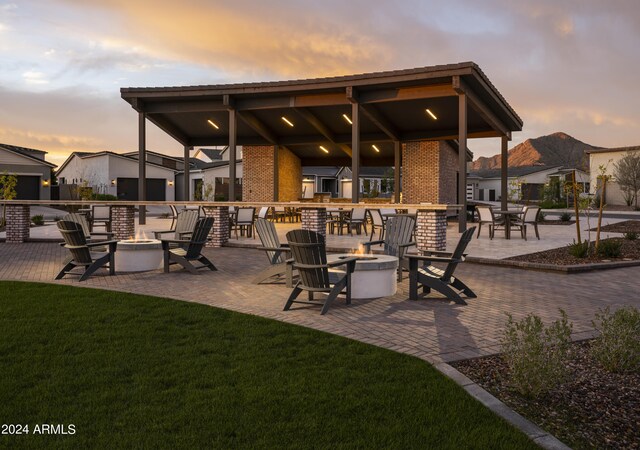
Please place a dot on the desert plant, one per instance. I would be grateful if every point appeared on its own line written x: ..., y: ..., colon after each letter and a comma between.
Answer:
x: 542, y: 217
x: 565, y: 217
x: 617, y: 348
x: 103, y: 197
x: 631, y: 235
x: 579, y: 249
x: 627, y: 175
x: 535, y: 354
x: 8, y: 191
x: 610, y: 248
x: 38, y: 219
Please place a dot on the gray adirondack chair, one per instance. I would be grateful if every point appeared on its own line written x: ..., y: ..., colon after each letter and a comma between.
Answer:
x: 81, y: 220
x: 189, y: 250
x: 316, y: 275
x: 430, y: 277
x: 81, y: 255
x: 184, y: 225
x: 277, y: 253
x: 397, y: 239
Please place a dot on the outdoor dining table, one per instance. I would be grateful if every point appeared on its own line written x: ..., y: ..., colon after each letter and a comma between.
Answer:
x: 508, y: 214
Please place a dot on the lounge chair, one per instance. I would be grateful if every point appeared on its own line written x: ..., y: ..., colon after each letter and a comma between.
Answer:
x: 398, y: 238
x: 81, y: 220
x: 189, y: 250
x: 277, y: 253
x: 443, y: 281
x: 184, y: 225
x: 316, y: 275
x: 81, y: 256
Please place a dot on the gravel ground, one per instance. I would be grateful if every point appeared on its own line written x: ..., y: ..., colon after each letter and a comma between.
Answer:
x: 630, y: 250
x: 621, y: 227
x: 593, y: 409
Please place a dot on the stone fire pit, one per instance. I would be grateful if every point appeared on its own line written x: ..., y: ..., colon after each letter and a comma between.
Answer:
x: 375, y: 275
x: 138, y: 255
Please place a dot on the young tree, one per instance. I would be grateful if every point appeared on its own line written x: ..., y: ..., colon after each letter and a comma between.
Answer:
x: 8, y: 184
x: 627, y: 176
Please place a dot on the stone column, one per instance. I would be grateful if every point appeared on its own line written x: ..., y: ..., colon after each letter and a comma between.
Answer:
x: 18, y: 223
x: 431, y: 230
x: 315, y: 219
x: 123, y: 224
x: 219, y: 234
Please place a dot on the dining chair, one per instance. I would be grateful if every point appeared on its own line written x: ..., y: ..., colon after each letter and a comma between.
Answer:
x: 485, y: 214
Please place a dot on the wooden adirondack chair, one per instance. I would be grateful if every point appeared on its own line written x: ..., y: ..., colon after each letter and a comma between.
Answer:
x: 277, y: 253
x: 81, y: 220
x: 310, y: 259
x: 443, y: 281
x: 189, y: 250
x: 397, y: 239
x: 80, y: 250
x: 184, y: 225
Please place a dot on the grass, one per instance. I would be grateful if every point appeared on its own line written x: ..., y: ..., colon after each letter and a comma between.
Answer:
x: 139, y: 371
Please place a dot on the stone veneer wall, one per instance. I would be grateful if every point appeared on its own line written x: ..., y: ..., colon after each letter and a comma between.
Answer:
x: 257, y: 173
x: 315, y: 219
x: 289, y: 176
x: 428, y: 172
x: 431, y: 230
x: 18, y: 223
x: 123, y: 222
x: 219, y: 234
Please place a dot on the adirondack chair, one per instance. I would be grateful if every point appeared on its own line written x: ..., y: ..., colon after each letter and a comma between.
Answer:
x: 81, y: 255
x: 310, y: 259
x: 443, y: 281
x: 398, y: 238
x: 184, y: 225
x: 189, y: 249
x: 277, y: 253
x: 81, y: 220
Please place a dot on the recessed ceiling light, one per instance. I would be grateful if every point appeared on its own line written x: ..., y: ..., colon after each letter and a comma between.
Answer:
x: 375, y: 148
x: 213, y: 124
x: 324, y: 149
x: 433, y: 116
x: 287, y: 121
x: 347, y: 119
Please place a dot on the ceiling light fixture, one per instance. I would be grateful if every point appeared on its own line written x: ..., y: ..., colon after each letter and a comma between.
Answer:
x: 375, y: 148
x: 324, y: 149
x: 287, y: 121
x: 433, y: 116
x: 347, y: 119
x: 213, y: 124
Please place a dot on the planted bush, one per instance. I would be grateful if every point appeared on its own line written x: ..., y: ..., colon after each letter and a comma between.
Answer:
x: 617, y: 347
x: 38, y: 219
x: 536, y: 354
x: 610, y: 248
x: 565, y: 217
x: 579, y: 249
x: 631, y: 235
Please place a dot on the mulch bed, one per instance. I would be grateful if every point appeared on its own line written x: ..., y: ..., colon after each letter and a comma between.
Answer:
x: 560, y: 256
x: 557, y: 222
x: 621, y: 227
x: 592, y: 409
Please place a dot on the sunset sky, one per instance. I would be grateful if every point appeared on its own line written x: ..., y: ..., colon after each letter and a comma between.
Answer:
x: 567, y: 65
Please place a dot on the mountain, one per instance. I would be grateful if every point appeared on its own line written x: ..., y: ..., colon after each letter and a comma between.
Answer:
x: 557, y: 149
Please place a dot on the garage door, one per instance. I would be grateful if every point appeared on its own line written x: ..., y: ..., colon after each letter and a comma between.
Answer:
x: 128, y: 189
x: 28, y: 187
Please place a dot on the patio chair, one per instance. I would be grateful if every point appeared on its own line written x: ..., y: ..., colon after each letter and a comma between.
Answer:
x: 174, y: 216
x: 316, y: 275
x: 377, y: 222
x: 530, y: 216
x: 280, y: 213
x: 244, y: 222
x: 81, y: 220
x: 485, y: 215
x: 357, y: 221
x: 189, y: 250
x: 430, y: 277
x: 277, y: 253
x: 398, y: 239
x: 184, y: 225
x: 101, y: 215
x: 81, y: 256
x: 264, y: 212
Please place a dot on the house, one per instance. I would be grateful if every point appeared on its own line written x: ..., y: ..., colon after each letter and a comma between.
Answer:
x: 116, y: 174
x: 609, y: 157
x: 524, y: 182
x: 337, y: 181
x: 31, y: 169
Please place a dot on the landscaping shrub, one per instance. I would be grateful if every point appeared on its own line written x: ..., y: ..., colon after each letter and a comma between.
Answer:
x: 104, y: 197
x: 618, y: 346
x: 565, y: 217
x: 536, y: 354
x: 579, y: 249
x: 541, y: 216
x: 38, y: 219
x: 610, y: 248
x: 631, y: 235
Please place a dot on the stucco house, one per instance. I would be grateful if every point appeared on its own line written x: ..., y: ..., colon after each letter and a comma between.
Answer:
x: 33, y: 172
x: 608, y: 157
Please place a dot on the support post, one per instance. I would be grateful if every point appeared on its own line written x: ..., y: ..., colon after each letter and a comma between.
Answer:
x: 187, y: 174
x: 355, y: 152
x: 219, y: 234
x: 504, y: 173
x: 123, y: 222
x: 315, y: 219
x: 431, y: 230
x: 18, y: 223
x: 396, y: 171
x: 233, y: 117
x: 276, y: 180
x: 142, y: 167
x: 462, y: 161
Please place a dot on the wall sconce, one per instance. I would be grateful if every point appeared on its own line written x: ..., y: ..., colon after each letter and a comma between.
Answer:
x: 170, y: 183
x: 113, y: 182
x: 45, y: 182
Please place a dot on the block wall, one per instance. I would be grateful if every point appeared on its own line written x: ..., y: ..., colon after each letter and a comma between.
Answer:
x: 257, y: 173
x: 289, y: 176
x: 447, y: 183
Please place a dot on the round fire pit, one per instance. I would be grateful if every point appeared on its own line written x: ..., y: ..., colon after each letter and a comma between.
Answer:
x: 138, y: 255
x: 375, y: 275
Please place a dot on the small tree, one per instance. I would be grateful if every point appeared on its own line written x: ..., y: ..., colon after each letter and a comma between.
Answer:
x: 603, y: 178
x: 8, y: 183
x: 627, y: 175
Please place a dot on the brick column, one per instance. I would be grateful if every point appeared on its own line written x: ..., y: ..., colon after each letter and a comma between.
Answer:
x: 431, y: 230
x: 315, y: 219
x: 219, y: 233
x: 123, y: 224
x: 18, y: 223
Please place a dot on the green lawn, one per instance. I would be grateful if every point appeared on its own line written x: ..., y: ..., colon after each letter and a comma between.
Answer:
x: 139, y: 371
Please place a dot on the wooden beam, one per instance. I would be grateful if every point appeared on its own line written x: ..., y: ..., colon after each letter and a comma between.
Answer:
x: 355, y: 148
x: 169, y: 128
x: 480, y: 107
x: 379, y: 120
x: 311, y: 100
x: 320, y: 127
x: 142, y: 166
x: 184, y: 106
x: 504, y: 168
x: 397, y: 164
x: 187, y: 174
x: 462, y: 162
x: 257, y: 126
x: 408, y: 93
x: 232, y: 153
x: 383, y: 161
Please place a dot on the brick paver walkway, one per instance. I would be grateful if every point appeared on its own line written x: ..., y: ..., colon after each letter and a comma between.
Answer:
x: 433, y: 329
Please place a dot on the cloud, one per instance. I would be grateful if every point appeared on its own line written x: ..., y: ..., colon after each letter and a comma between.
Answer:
x: 33, y: 77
